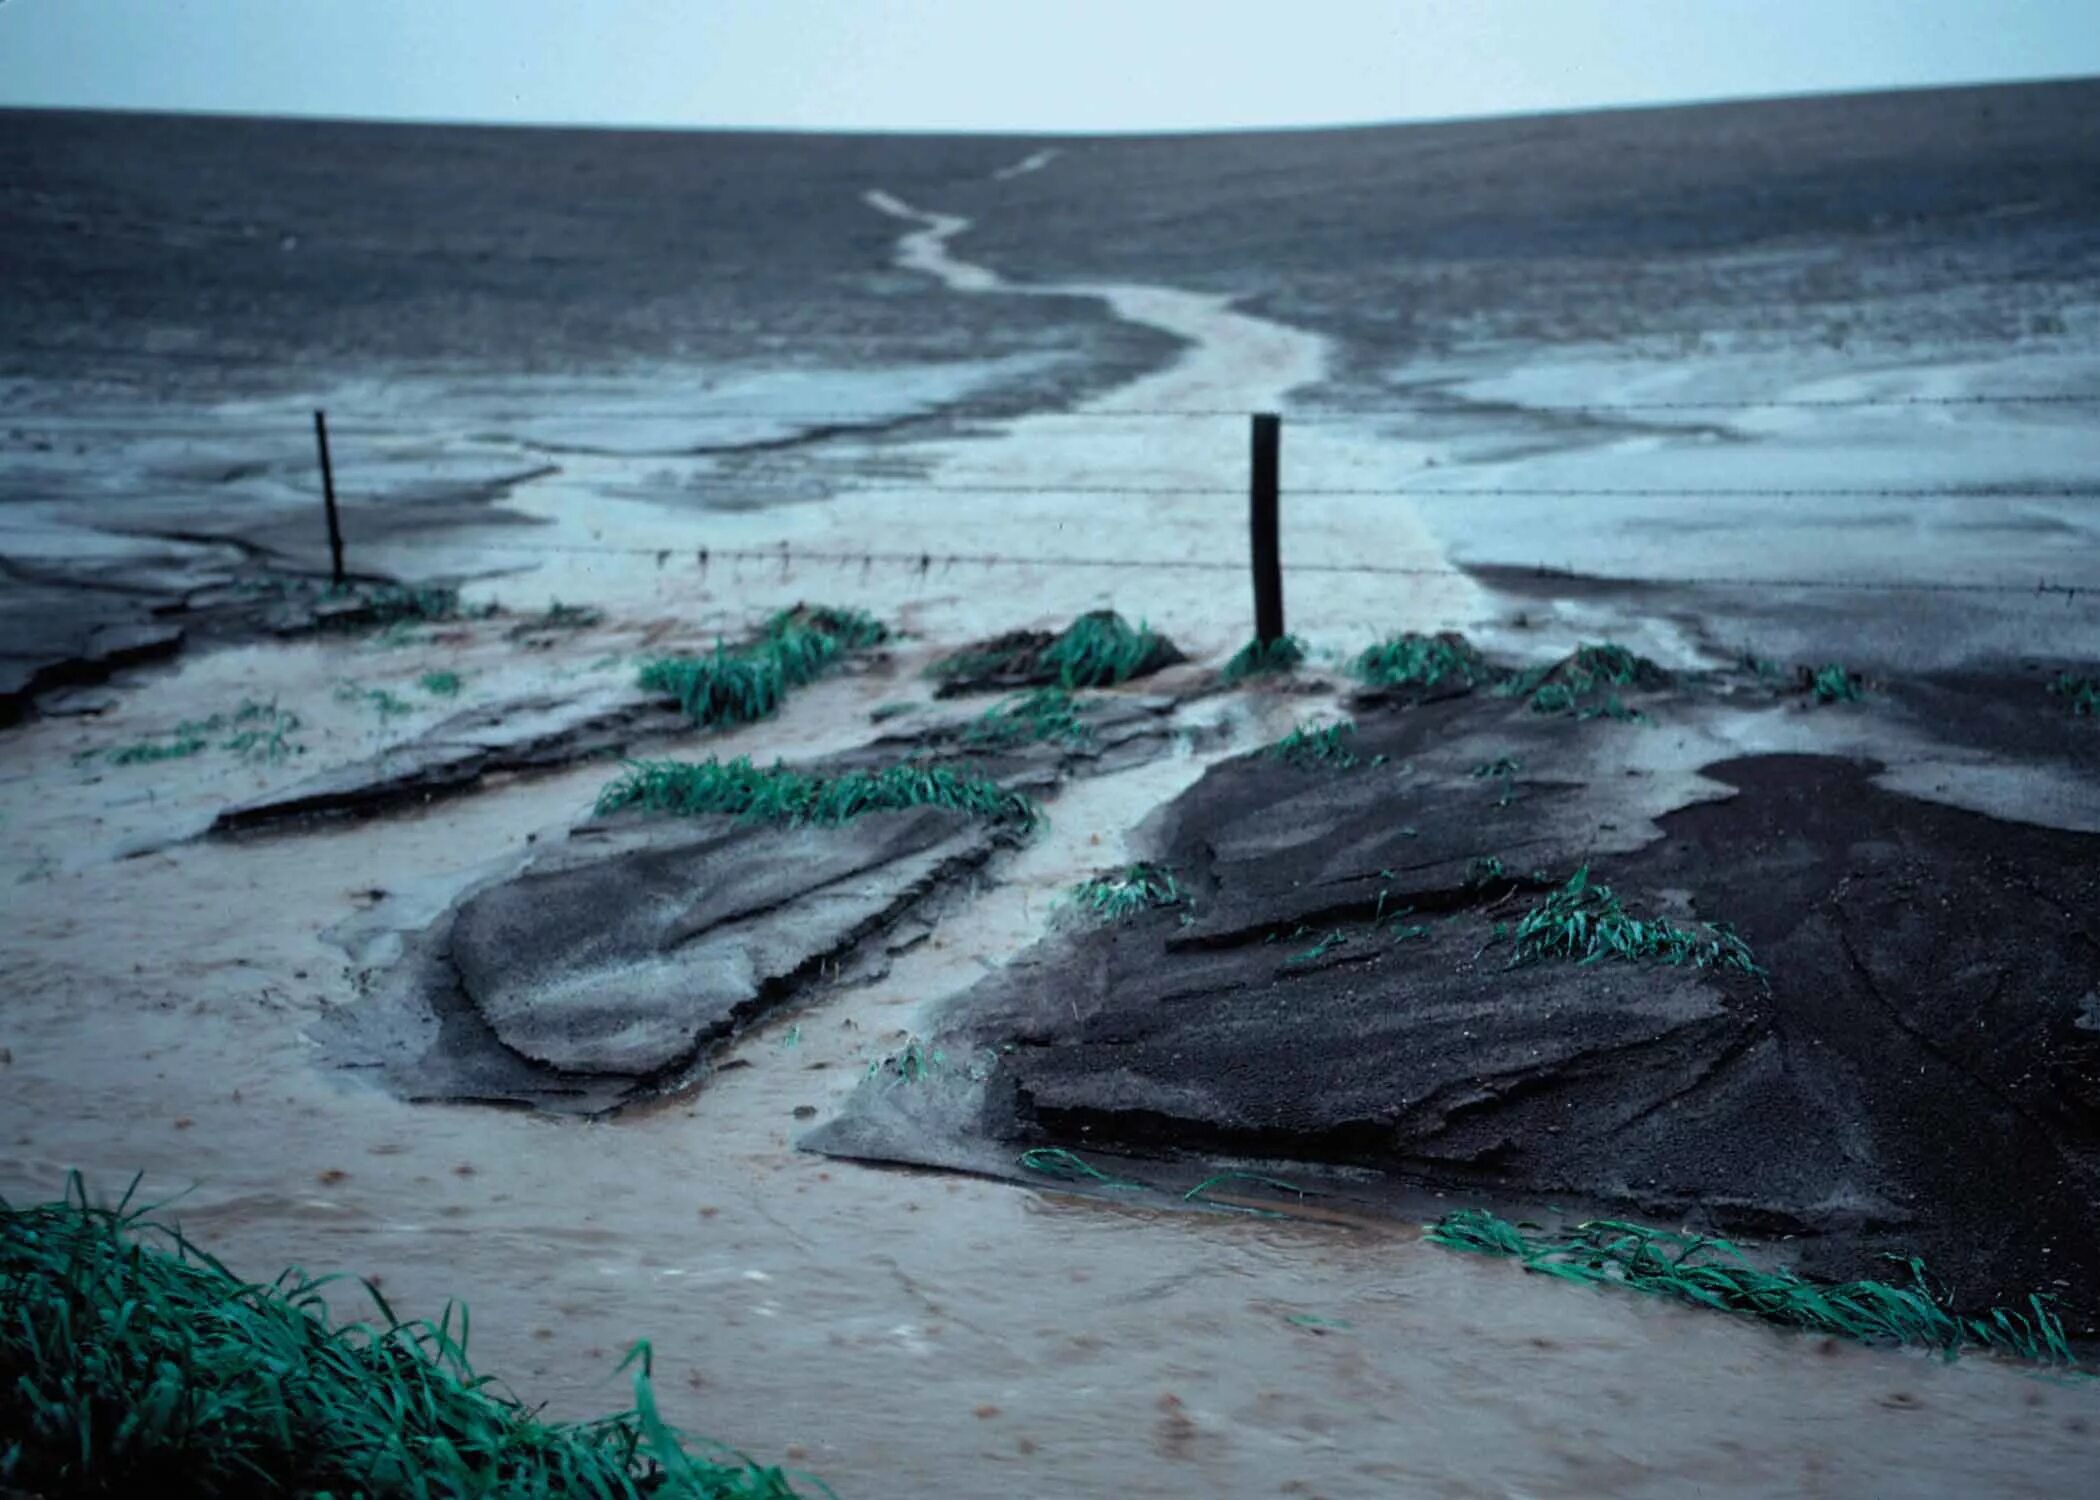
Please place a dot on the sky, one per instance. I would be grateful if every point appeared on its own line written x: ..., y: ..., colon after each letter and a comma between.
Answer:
x: 1005, y: 65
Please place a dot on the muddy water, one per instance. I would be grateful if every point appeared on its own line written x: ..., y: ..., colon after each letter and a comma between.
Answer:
x: 896, y: 1331
x: 899, y: 1333
x: 1033, y: 489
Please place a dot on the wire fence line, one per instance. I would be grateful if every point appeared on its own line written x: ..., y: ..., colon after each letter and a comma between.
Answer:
x: 866, y: 478
x: 374, y: 423
x: 1140, y: 491
x: 786, y: 555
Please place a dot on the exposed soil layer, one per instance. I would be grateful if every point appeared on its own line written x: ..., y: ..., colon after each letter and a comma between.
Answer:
x: 609, y: 966
x: 1919, y: 1073
x: 67, y: 624
x: 458, y: 754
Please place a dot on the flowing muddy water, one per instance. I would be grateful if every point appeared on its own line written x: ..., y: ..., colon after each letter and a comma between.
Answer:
x: 1112, y: 478
x: 896, y: 1332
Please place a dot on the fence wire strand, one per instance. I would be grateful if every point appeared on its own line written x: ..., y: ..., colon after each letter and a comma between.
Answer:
x: 786, y: 556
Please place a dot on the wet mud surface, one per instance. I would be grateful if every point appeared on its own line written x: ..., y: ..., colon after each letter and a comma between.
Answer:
x: 503, y: 947
x: 609, y: 966
x: 1914, y: 1072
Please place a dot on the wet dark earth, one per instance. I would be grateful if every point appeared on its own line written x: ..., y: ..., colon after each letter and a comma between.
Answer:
x: 613, y: 965
x: 1914, y: 1070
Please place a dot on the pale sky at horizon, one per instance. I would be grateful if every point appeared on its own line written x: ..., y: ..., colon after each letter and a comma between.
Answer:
x: 1005, y: 65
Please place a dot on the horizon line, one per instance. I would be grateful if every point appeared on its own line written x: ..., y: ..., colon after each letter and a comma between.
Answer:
x: 1045, y: 133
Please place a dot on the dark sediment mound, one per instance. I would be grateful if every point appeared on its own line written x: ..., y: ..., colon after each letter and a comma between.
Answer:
x: 1914, y: 1070
x: 609, y: 966
x: 1099, y: 649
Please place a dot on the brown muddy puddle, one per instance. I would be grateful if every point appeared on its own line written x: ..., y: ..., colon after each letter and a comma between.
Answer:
x: 892, y: 1331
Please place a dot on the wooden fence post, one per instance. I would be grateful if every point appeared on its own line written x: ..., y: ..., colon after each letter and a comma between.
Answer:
x: 1268, y: 564
x: 335, y: 528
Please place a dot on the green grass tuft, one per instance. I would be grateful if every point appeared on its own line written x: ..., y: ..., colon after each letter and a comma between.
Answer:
x: 1259, y: 659
x: 133, y: 1363
x: 1102, y: 649
x: 1608, y: 662
x: 379, y: 700
x: 1712, y: 1273
x: 395, y: 604
x: 1326, y: 945
x: 738, y: 685
x: 1099, y: 649
x: 912, y: 1063
x: 1414, y: 660
x: 1042, y: 714
x: 441, y: 684
x: 1833, y: 684
x: 1580, y: 684
x: 1331, y: 747
x: 779, y: 794
x: 1122, y: 894
x: 254, y: 731
x: 2084, y: 693
x: 185, y: 741
x: 263, y: 731
x: 1586, y: 923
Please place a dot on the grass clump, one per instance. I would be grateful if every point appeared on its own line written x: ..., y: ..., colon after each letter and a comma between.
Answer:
x: 1121, y: 894
x: 1044, y: 714
x: 395, y: 609
x: 441, y: 684
x: 1582, y: 683
x: 184, y: 741
x: 387, y: 705
x: 133, y: 1363
x: 1099, y: 649
x: 1326, y: 945
x: 1415, y: 660
x: 737, y: 685
x: 1585, y: 922
x: 2084, y: 693
x: 1711, y: 1272
x: 912, y: 1063
x: 1833, y: 684
x: 394, y: 604
x: 254, y: 731
x: 263, y: 732
x: 780, y: 794
x: 1331, y: 747
x: 1265, y: 658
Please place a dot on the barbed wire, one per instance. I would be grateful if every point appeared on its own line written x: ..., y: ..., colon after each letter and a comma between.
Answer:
x: 404, y: 424
x: 786, y: 555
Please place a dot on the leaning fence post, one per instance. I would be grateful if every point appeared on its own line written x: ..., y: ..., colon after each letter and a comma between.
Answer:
x: 1268, y: 565
x: 335, y: 528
